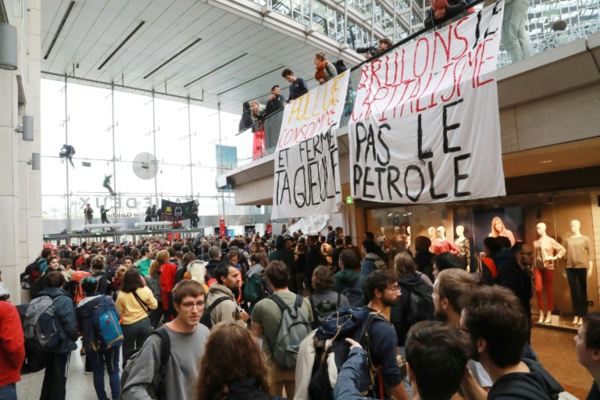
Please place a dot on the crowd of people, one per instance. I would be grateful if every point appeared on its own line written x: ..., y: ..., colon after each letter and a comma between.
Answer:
x: 255, y: 317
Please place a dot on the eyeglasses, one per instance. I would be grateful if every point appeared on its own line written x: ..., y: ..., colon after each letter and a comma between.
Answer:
x: 462, y: 330
x: 394, y: 288
x: 190, y: 305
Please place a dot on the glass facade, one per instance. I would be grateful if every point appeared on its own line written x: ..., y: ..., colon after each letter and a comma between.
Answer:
x: 148, y: 148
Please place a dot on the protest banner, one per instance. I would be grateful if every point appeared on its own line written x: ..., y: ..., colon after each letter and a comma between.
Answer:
x: 307, y: 176
x: 425, y: 126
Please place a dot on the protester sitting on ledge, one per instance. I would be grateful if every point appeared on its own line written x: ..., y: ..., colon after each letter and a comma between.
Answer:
x: 441, y: 9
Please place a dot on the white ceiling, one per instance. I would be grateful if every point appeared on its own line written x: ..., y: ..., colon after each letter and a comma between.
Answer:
x: 257, y: 48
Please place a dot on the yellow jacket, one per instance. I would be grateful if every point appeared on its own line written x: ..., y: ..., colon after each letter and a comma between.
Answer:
x: 130, y: 309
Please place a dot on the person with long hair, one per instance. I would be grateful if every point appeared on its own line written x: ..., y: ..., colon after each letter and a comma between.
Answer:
x: 166, y: 272
x: 233, y: 366
x: 134, y: 303
x: 499, y: 230
x: 324, y: 70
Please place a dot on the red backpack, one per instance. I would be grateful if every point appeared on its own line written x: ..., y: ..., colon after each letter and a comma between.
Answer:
x: 75, y: 289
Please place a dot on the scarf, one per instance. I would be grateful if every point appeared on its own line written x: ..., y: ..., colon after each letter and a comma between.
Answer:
x: 321, y: 71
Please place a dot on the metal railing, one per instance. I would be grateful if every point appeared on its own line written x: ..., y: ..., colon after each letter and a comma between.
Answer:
x: 551, y: 24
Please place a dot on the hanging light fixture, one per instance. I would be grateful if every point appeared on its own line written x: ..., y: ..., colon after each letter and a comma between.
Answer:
x: 8, y: 47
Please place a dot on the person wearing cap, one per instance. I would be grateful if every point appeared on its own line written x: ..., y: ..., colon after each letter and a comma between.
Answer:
x: 12, y: 346
x: 97, y: 357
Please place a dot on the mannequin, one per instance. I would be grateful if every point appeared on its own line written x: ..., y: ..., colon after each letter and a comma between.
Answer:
x: 464, y: 248
x: 545, y: 252
x: 498, y: 229
x: 441, y: 244
x: 432, y: 236
x: 579, y: 270
x: 382, y: 239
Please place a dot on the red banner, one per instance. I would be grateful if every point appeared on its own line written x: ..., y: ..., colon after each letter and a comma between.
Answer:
x: 258, y: 145
x: 222, y: 227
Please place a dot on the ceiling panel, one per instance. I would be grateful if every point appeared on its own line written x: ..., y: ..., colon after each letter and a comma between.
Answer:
x: 95, y: 29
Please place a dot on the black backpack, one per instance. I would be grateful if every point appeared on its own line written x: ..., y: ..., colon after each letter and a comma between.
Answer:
x: 420, y: 303
x: 323, y: 309
x: 205, y: 319
x: 158, y: 381
x: 31, y: 274
x: 340, y: 67
x: 347, y: 322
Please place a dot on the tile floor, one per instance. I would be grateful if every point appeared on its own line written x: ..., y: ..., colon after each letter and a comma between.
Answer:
x: 556, y: 350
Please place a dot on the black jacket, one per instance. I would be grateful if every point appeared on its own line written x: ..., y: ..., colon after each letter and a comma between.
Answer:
x: 210, y: 268
x: 274, y: 105
x: 298, y: 88
x: 247, y: 389
x: 246, y: 121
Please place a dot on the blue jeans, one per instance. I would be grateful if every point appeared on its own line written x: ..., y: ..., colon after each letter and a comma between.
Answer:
x: 111, y: 359
x: 8, y: 392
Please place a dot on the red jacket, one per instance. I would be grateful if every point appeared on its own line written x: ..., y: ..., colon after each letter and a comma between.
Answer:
x: 167, y: 281
x: 12, y: 344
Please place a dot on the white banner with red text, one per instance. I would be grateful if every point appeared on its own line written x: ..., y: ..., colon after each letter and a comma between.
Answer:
x: 307, y: 175
x: 425, y: 126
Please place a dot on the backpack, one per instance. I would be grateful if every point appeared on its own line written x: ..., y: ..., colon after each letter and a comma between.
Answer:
x: 331, y: 348
x: 340, y: 67
x: 74, y: 288
x: 181, y: 270
x: 106, y: 331
x: 293, y: 329
x: 157, y: 389
x: 420, y: 303
x: 323, y: 309
x: 354, y: 294
x: 42, y: 333
x: 205, y: 319
x: 254, y: 288
x: 31, y: 274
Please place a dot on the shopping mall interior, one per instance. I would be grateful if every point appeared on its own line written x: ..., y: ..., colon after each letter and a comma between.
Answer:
x: 150, y: 98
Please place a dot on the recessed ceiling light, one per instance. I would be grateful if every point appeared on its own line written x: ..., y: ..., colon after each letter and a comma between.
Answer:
x: 546, y: 161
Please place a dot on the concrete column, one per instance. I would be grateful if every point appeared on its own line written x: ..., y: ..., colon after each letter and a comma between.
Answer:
x: 20, y: 187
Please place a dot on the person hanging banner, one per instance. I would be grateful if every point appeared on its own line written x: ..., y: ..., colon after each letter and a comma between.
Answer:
x: 307, y: 176
x: 425, y: 126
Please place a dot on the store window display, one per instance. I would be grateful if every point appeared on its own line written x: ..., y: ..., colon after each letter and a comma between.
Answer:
x: 464, y: 247
x: 432, y: 237
x: 441, y: 244
x: 546, y: 251
x: 498, y: 229
x: 579, y: 270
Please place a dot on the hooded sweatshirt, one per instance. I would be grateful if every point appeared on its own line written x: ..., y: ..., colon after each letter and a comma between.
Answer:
x: 537, y: 384
x: 224, y: 311
x: 282, y: 254
x: 347, y: 279
x: 370, y: 263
